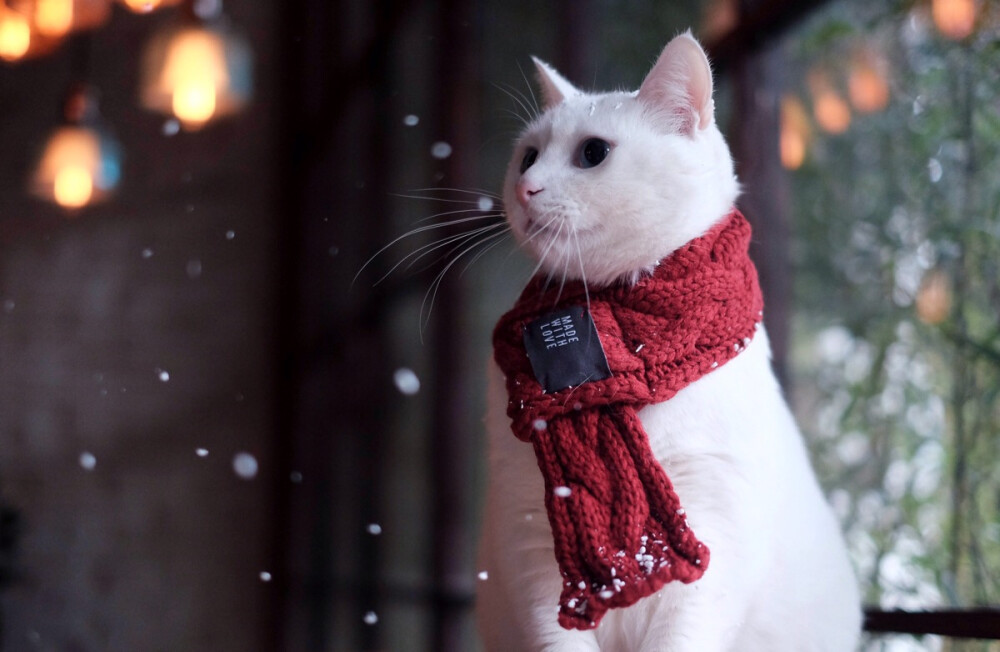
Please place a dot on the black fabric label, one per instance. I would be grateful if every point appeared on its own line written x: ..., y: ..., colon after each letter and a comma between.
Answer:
x: 564, y: 349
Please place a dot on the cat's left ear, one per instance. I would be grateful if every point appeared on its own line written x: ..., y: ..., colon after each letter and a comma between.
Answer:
x: 554, y: 86
x: 678, y: 90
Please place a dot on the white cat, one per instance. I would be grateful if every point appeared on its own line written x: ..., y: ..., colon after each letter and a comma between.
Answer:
x: 601, y: 187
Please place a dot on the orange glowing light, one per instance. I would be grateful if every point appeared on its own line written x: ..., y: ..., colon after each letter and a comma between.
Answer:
x: 146, y: 6
x: 832, y: 112
x: 795, y: 133
x: 954, y: 18
x: 934, y: 298
x: 829, y: 108
x: 193, y: 73
x: 720, y: 18
x: 66, y: 173
x: 194, y: 102
x: 196, y: 72
x: 15, y: 34
x: 867, y: 85
x: 53, y: 18
x: 141, y: 6
x: 73, y: 186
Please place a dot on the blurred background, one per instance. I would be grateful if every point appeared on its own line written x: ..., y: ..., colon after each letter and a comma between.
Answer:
x: 243, y: 336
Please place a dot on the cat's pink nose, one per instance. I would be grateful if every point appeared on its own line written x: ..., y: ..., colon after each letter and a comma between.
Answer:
x: 525, y: 190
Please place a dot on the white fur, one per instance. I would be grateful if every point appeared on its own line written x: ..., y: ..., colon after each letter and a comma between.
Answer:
x: 662, y: 185
x: 779, y: 579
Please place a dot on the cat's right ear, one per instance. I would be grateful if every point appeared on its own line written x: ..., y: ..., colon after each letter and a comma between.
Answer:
x: 554, y: 86
x: 678, y: 90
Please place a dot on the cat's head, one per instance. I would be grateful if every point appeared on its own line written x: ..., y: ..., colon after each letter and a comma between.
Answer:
x: 603, y: 186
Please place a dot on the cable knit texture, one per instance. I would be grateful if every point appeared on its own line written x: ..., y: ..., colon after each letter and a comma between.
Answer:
x: 618, y: 527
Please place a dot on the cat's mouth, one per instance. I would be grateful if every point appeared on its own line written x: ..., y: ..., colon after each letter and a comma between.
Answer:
x: 535, y: 226
x: 553, y: 228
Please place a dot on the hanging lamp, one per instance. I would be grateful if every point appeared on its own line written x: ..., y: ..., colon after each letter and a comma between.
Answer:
x: 956, y: 19
x: 147, y: 6
x: 15, y: 34
x: 830, y: 110
x: 867, y: 82
x: 197, y: 70
x: 795, y: 133
x: 81, y: 162
x: 19, y: 38
x: 54, y: 19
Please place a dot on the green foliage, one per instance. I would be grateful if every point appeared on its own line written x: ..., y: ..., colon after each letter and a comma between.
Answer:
x: 897, y: 255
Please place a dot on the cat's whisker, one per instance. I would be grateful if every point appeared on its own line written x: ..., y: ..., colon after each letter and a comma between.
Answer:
x: 512, y: 94
x: 416, y: 231
x: 430, y: 247
x: 545, y: 252
x: 563, y: 260
x: 427, y: 305
x: 562, y: 281
x: 474, y: 211
x: 441, y: 200
x: 513, y: 114
x: 583, y: 271
x: 528, y: 100
x: 531, y: 91
x: 502, y: 236
x: 481, y: 234
x: 467, y: 191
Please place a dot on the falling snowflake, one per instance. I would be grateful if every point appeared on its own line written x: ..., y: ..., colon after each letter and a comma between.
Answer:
x: 441, y: 150
x: 88, y: 461
x: 411, y: 120
x: 265, y: 576
x: 406, y: 381
x: 201, y: 452
x: 934, y: 170
x: 485, y: 204
x: 562, y: 492
x: 370, y: 618
x: 374, y: 529
x: 245, y: 465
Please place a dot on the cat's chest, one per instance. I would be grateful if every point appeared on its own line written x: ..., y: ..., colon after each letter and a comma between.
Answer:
x: 721, y: 414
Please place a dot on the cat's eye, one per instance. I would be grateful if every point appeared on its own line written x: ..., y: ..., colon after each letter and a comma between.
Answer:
x: 529, y: 159
x: 593, y: 151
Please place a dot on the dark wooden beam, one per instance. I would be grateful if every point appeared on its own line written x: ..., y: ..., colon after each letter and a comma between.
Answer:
x: 761, y: 25
x: 955, y: 623
x: 757, y: 77
x: 456, y: 122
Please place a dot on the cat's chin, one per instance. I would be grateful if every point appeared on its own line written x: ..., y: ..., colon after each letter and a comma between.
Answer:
x: 568, y: 269
x: 534, y: 228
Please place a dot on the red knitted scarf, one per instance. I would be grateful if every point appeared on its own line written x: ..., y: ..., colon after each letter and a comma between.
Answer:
x: 617, y: 524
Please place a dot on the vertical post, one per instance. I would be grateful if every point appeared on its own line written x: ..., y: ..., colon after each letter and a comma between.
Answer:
x: 576, y: 25
x: 328, y: 431
x: 451, y: 447
x: 290, y: 53
x: 757, y: 77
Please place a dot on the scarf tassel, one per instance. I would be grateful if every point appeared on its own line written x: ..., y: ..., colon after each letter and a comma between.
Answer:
x: 620, y: 532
